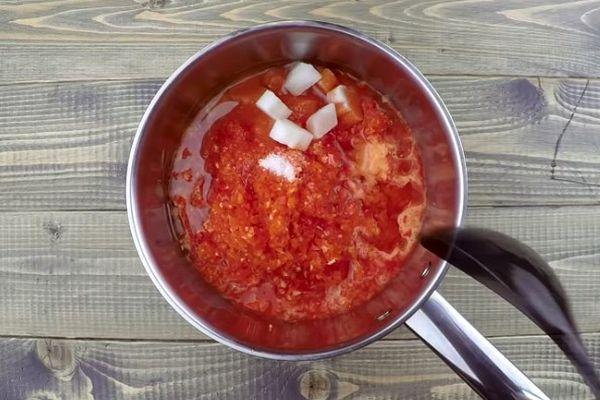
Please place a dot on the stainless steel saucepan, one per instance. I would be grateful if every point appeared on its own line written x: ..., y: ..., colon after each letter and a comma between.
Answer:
x: 410, y: 299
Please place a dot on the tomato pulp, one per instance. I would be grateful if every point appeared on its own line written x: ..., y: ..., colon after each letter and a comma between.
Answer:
x: 312, y: 246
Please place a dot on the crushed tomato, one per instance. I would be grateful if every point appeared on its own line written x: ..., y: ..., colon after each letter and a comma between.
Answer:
x: 317, y: 245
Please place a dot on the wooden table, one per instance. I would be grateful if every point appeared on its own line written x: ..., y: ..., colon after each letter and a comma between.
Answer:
x: 79, y: 318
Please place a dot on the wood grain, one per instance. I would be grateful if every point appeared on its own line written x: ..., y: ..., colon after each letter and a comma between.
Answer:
x: 65, y: 145
x: 528, y: 141
x: 76, y: 274
x: 112, y: 370
x: 75, y: 78
x: 64, y: 40
x: 62, y: 144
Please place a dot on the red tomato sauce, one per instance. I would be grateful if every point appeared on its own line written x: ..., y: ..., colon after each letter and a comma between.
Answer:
x: 311, y: 247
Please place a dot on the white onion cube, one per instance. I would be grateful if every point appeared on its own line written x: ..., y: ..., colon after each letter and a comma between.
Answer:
x: 338, y: 95
x: 300, y: 78
x: 272, y: 105
x: 288, y: 133
x: 322, y: 121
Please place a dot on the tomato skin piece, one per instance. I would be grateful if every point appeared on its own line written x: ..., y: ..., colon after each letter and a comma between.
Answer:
x: 274, y: 78
x: 328, y: 80
x: 375, y: 120
x: 350, y: 112
x: 302, y: 106
x: 246, y: 92
x: 197, y: 195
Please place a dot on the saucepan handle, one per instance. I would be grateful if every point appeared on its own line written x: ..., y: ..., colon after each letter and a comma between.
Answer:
x: 469, y: 353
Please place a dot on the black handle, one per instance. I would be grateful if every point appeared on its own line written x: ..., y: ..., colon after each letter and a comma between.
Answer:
x: 520, y: 275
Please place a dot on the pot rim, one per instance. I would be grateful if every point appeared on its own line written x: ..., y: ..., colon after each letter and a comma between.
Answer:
x: 171, y: 296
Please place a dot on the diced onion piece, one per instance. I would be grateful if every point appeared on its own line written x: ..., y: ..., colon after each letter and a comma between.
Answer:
x: 328, y: 80
x: 288, y: 133
x: 273, y: 106
x: 321, y: 122
x: 279, y: 165
x: 300, y: 78
x: 338, y: 95
x: 347, y: 104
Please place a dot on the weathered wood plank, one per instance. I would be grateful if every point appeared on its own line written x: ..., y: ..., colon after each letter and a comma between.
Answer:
x: 76, y: 274
x: 64, y: 40
x: 61, y: 144
x: 48, y: 369
x: 65, y: 145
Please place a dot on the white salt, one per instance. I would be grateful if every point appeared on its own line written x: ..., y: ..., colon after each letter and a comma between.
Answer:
x: 279, y: 165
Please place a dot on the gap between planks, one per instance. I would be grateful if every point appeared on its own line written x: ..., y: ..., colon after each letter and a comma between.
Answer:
x: 428, y: 76
x: 207, y: 340
x: 46, y: 368
x: 508, y: 126
x: 60, y: 268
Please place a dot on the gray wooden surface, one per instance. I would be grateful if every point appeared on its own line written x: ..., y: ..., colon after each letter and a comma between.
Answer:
x: 79, y: 319
x: 405, y: 369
